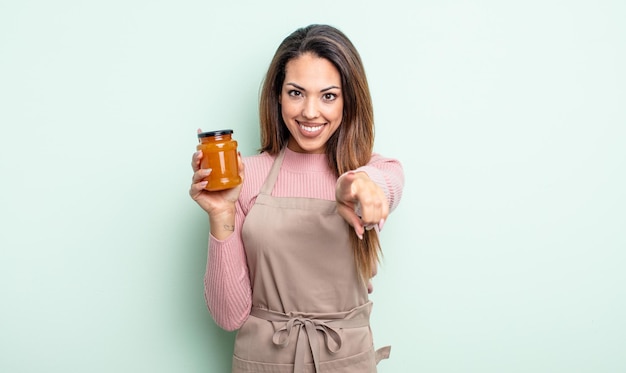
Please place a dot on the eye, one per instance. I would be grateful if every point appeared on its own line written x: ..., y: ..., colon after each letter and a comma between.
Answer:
x: 294, y: 93
x: 329, y: 96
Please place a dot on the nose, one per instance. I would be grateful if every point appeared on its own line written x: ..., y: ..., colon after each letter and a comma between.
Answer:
x: 310, y: 110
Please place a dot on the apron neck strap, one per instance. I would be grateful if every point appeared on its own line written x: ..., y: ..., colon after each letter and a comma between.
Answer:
x: 268, y: 186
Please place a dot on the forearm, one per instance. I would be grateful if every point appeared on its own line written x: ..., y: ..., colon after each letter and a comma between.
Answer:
x: 226, y: 282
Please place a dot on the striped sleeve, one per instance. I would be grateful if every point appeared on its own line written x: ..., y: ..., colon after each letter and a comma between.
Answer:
x: 227, y: 287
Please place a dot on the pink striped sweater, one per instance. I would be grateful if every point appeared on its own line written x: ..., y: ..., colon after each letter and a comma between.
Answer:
x: 226, y: 282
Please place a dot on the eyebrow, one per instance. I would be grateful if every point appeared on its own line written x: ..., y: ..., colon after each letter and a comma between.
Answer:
x: 322, y: 90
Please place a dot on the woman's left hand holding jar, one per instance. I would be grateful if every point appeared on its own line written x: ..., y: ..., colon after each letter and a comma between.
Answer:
x: 220, y: 205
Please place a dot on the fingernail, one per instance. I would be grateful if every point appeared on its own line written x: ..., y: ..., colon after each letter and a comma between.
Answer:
x: 359, y: 235
x: 381, y: 224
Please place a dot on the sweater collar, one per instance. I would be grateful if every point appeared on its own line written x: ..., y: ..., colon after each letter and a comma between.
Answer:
x: 301, y: 162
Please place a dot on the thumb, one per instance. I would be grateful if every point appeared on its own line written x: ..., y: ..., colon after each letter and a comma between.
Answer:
x: 348, y: 214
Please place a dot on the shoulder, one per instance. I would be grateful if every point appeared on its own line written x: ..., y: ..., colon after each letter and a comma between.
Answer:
x: 256, y: 169
x: 257, y: 165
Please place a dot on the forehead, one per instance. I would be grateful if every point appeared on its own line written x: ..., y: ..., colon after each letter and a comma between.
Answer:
x: 312, y: 70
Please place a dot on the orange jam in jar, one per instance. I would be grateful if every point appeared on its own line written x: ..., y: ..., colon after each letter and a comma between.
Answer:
x: 219, y: 153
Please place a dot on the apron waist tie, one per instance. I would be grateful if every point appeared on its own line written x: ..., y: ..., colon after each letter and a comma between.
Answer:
x: 307, y: 327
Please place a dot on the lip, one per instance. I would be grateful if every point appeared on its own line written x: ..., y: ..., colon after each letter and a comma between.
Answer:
x: 312, y: 129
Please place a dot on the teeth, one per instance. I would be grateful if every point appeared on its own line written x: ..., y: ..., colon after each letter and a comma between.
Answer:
x: 310, y: 129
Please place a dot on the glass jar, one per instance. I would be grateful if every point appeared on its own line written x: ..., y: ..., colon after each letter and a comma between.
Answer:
x: 219, y: 153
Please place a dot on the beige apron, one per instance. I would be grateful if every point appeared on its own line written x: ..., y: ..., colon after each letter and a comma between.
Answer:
x: 310, y: 312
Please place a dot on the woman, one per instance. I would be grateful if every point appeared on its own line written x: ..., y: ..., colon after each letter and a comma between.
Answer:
x: 292, y: 248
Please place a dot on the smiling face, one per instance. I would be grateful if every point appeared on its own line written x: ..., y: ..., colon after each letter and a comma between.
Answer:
x: 311, y: 102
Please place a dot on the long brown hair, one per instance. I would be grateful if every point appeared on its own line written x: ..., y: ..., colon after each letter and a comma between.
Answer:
x: 351, y: 145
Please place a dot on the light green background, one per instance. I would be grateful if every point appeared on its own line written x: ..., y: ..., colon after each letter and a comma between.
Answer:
x: 506, y: 255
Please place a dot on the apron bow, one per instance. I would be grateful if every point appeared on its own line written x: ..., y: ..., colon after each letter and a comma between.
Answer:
x: 307, y: 329
x: 311, y: 326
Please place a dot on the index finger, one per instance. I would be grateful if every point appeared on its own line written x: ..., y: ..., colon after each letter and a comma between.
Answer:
x: 195, y: 160
x: 197, y: 156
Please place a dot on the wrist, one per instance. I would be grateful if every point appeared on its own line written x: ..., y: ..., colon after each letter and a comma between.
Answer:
x: 222, y: 223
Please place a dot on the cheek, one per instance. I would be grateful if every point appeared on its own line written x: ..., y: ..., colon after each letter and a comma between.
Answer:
x: 338, y: 112
x: 287, y: 110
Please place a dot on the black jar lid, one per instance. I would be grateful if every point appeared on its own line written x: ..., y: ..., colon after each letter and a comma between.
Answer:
x: 214, y: 133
